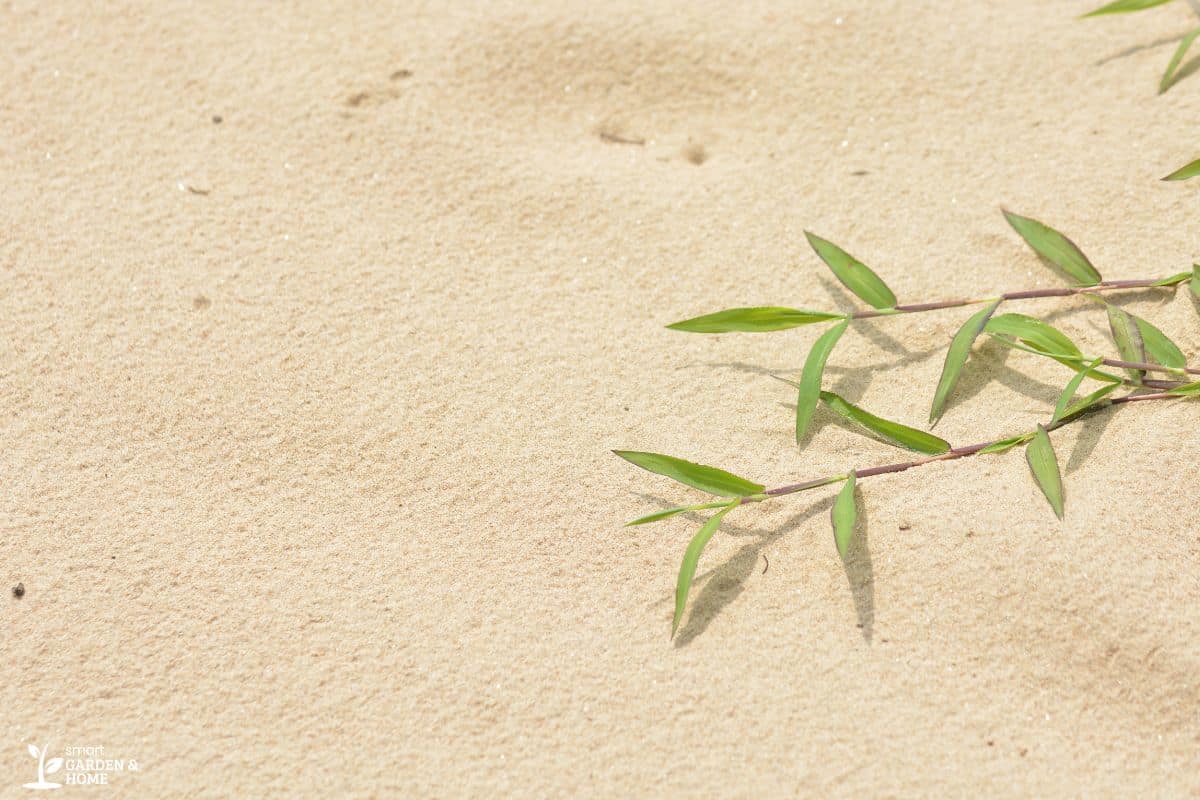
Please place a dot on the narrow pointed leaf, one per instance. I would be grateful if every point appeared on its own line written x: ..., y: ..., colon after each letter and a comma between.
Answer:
x: 1004, y: 445
x: 33, y: 751
x: 1128, y: 338
x: 665, y: 513
x: 956, y: 357
x: 1044, y: 465
x: 53, y: 765
x: 1033, y: 332
x: 887, y: 430
x: 1180, y: 52
x: 753, y: 320
x: 1189, y: 170
x: 1092, y: 400
x: 687, y: 568
x: 1063, y: 358
x: 1159, y: 348
x: 854, y: 275
x: 810, y: 378
x: 1064, y: 400
x: 845, y: 516
x: 706, y: 479
x: 1194, y: 283
x: 1187, y: 390
x: 1175, y: 279
x: 1125, y: 6
x: 1055, y: 248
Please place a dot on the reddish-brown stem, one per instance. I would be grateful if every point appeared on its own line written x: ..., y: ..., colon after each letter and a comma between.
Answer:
x: 1133, y: 398
x: 1030, y: 294
x: 1113, y: 362
x: 950, y: 455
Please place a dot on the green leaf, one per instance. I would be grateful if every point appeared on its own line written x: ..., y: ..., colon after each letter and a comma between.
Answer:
x: 1086, y: 403
x: 845, y: 516
x: 1004, y: 445
x: 670, y: 512
x: 1189, y: 170
x: 890, y: 432
x: 1194, y: 283
x: 1044, y: 465
x: 1055, y: 248
x: 1137, y: 336
x: 1180, y: 52
x: 1177, y: 278
x: 956, y: 357
x: 810, y: 378
x: 1033, y: 332
x: 1064, y: 399
x: 1063, y: 358
x: 1160, y: 349
x: 1124, y: 6
x: 753, y: 320
x: 1128, y: 337
x: 706, y: 479
x: 1187, y: 390
x: 1008, y: 341
x: 854, y: 275
x: 687, y: 568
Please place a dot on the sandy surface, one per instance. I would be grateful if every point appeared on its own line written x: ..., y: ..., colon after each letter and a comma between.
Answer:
x: 306, y: 413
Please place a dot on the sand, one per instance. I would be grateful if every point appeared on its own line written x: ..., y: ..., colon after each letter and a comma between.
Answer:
x: 307, y: 411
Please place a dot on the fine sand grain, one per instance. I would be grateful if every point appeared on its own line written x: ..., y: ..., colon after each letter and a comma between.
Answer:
x: 318, y: 322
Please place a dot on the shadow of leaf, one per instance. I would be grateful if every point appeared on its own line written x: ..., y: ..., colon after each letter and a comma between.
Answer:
x: 860, y: 573
x: 1129, y: 51
x: 1189, y: 67
x: 742, y: 366
x: 1089, y: 436
x: 728, y: 580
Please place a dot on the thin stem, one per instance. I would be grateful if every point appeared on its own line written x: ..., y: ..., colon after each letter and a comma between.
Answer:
x: 1031, y: 294
x: 1133, y: 398
x: 792, y: 488
x: 1113, y: 362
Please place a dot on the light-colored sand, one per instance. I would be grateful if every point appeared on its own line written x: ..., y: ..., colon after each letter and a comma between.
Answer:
x: 306, y: 470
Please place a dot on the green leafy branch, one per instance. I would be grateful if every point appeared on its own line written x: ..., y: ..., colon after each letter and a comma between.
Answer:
x: 1142, y: 348
x: 739, y: 491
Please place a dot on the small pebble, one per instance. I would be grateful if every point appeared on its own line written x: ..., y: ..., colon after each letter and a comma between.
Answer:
x: 19, y: 590
x: 217, y: 119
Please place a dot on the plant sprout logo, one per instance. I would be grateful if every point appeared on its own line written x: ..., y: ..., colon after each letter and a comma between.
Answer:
x: 44, y: 768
